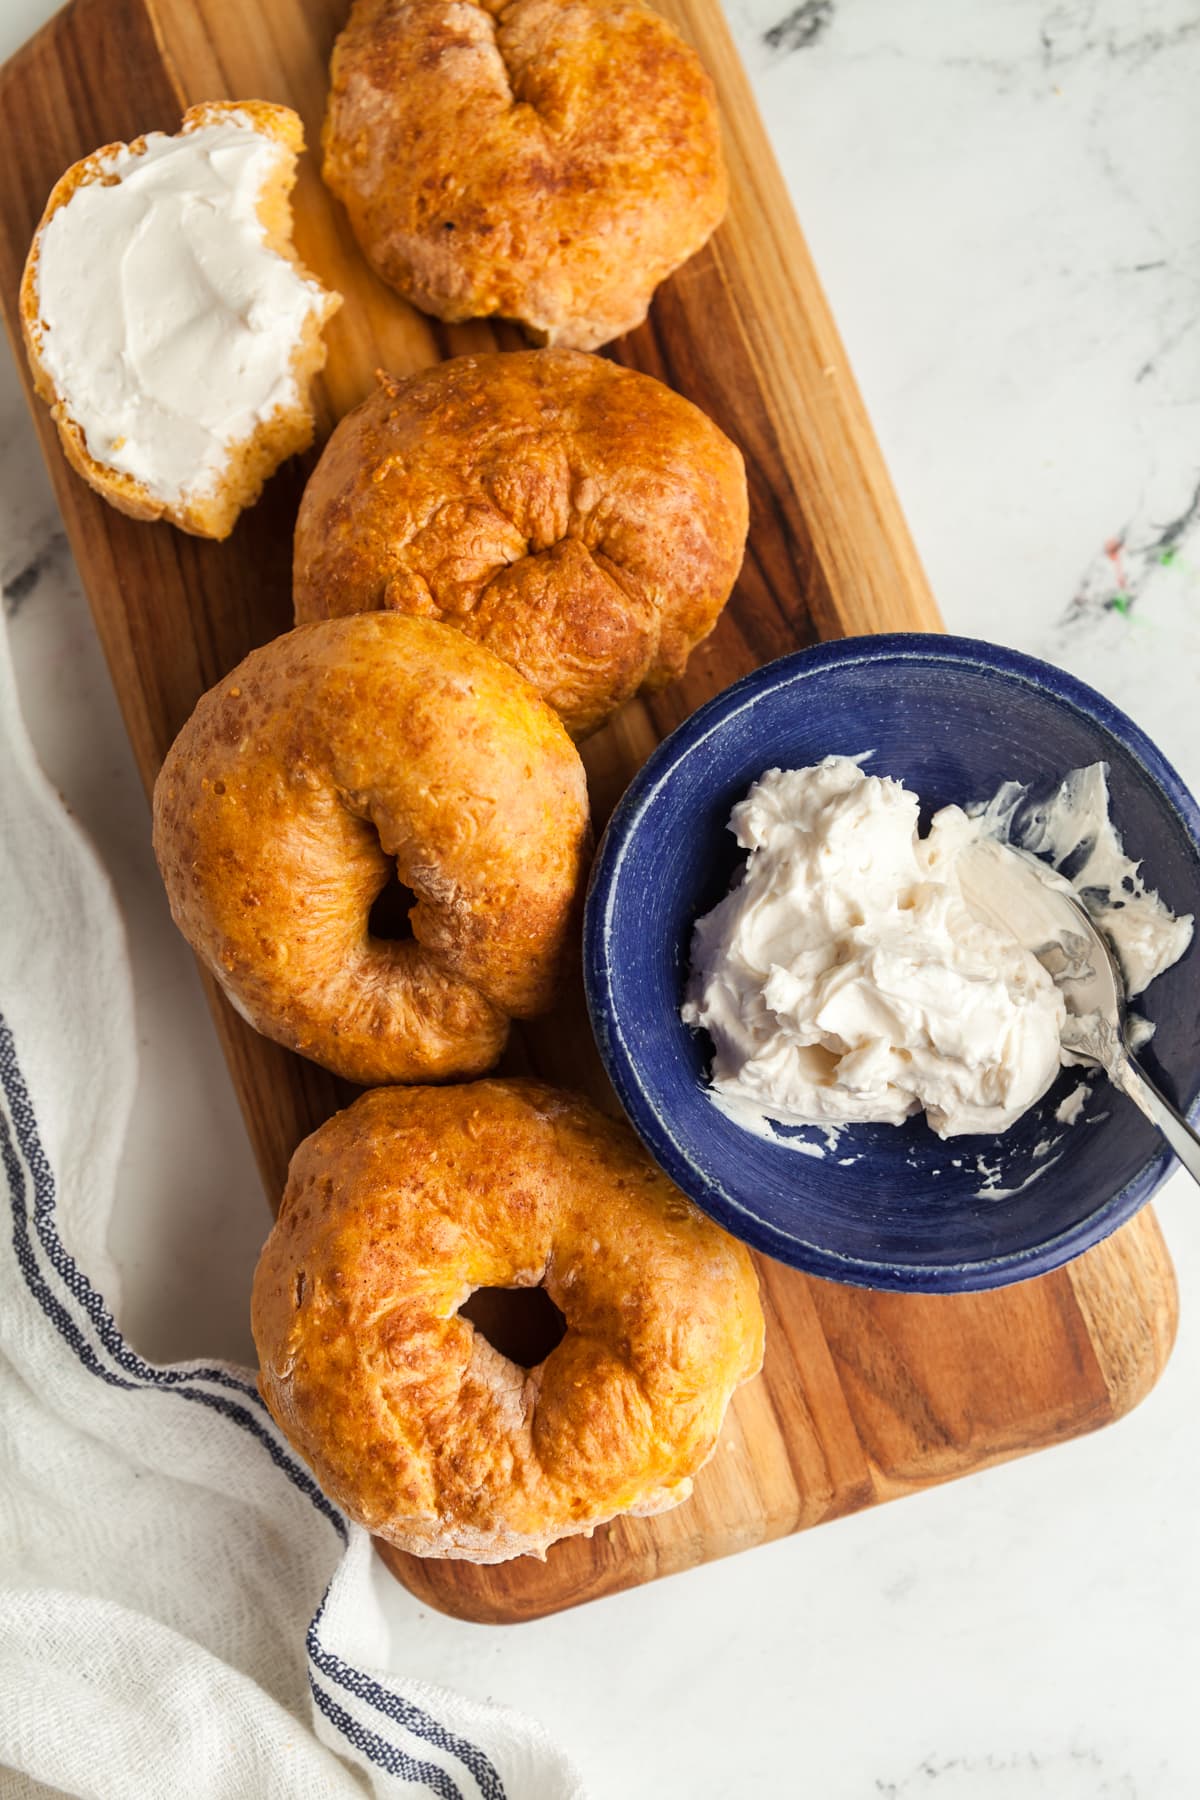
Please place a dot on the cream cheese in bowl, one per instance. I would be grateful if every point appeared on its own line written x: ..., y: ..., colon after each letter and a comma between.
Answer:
x: 893, y: 1205
x: 845, y: 980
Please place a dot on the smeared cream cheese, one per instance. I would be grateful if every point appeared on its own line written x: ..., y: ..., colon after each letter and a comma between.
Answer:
x: 844, y: 978
x: 166, y: 322
x: 1074, y: 833
x: 1070, y: 1107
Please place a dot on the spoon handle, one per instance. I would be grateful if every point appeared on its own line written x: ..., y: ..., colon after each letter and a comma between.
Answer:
x: 1141, y: 1090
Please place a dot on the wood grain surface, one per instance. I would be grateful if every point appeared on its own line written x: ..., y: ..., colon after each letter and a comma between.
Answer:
x: 864, y: 1396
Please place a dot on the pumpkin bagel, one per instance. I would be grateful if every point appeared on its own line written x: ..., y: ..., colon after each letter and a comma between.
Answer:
x: 333, y: 759
x: 580, y: 519
x: 401, y: 1206
x: 549, y: 161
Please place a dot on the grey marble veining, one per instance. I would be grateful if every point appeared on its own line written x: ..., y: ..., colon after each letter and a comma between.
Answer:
x: 996, y: 199
x: 1072, y: 1773
x: 33, y: 550
x: 801, y: 26
x: 50, y: 560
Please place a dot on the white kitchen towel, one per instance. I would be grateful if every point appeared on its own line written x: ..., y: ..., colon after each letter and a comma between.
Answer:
x: 182, y: 1612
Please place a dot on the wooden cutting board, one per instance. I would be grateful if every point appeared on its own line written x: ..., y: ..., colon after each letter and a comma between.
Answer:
x: 864, y: 1396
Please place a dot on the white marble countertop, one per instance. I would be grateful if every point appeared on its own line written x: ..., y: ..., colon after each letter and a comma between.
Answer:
x: 999, y: 201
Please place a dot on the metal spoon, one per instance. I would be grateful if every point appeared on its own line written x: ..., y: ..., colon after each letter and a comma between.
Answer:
x: 1010, y: 889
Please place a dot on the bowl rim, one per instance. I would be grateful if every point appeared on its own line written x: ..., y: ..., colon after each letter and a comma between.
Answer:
x: 622, y: 1067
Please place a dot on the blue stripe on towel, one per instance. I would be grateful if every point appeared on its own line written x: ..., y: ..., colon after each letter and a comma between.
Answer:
x: 404, y: 1713
x: 44, y: 1206
x: 144, y: 1377
x: 388, y: 1756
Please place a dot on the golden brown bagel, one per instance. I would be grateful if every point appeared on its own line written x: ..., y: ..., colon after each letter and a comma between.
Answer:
x: 296, y: 782
x: 395, y: 1211
x: 543, y: 160
x: 581, y: 520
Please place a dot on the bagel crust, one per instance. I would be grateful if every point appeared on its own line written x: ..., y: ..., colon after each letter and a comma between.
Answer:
x: 207, y: 509
x: 580, y: 519
x: 549, y: 161
x: 395, y: 1211
x: 334, y: 758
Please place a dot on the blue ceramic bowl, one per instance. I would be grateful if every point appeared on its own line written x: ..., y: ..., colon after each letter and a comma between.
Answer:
x: 889, y: 1207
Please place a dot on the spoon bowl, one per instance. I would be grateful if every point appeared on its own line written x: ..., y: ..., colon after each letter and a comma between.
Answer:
x: 1016, y: 893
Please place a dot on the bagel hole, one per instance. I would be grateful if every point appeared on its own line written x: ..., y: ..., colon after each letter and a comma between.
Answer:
x: 388, y: 918
x: 521, y: 1323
